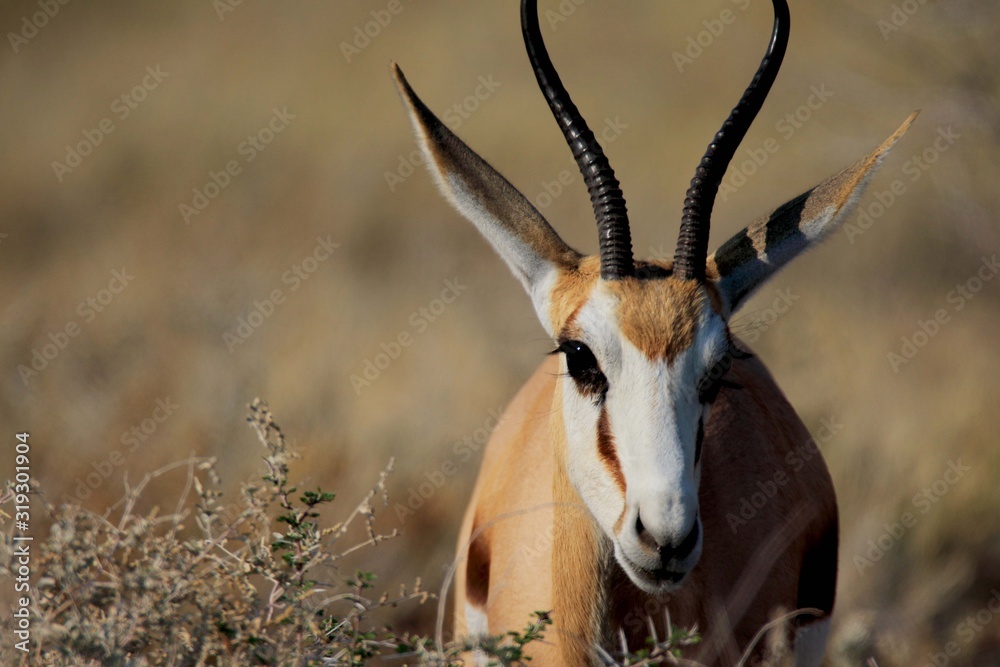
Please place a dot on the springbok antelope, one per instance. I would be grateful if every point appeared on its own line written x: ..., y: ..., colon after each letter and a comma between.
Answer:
x: 604, y: 493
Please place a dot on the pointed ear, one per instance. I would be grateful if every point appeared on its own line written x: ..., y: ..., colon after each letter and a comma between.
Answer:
x: 515, y: 228
x: 752, y: 256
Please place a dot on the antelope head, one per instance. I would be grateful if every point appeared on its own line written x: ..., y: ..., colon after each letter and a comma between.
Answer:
x: 644, y: 345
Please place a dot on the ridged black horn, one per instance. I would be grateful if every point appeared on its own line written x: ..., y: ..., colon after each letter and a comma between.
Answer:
x: 605, y: 191
x: 692, y: 245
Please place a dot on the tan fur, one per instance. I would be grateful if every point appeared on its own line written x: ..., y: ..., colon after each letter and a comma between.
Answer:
x: 514, y: 502
x: 574, y: 560
x: 741, y: 577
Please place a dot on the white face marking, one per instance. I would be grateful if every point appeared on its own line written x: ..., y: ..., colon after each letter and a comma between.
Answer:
x: 653, y: 413
x: 591, y: 478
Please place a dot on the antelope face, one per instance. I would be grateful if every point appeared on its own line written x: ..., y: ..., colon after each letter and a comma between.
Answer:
x: 644, y: 346
x: 638, y: 361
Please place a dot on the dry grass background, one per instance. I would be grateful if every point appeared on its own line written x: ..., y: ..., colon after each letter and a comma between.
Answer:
x: 324, y: 175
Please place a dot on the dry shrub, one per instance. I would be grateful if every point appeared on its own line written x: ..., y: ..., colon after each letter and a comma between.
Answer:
x: 238, y: 587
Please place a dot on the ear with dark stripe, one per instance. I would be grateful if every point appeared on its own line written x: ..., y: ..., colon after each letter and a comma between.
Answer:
x: 752, y: 256
x: 515, y: 228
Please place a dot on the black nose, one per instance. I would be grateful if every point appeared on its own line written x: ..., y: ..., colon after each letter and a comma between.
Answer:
x: 673, y: 550
x: 683, y: 549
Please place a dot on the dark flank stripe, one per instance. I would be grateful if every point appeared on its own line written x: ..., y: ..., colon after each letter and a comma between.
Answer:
x: 477, y: 573
x: 607, y: 450
x: 818, y: 580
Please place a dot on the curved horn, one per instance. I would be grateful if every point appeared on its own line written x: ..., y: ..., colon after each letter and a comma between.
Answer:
x: 692, y: 245
x: 605, y: 191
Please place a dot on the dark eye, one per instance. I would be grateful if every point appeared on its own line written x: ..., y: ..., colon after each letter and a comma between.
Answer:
x: 710, y: 385
x: 714, y: 380
x: 584, y: 369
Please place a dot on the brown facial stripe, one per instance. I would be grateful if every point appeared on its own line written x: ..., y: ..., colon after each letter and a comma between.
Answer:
x: 477, y: 572
x: 607, y: 450
x: 571, y: 291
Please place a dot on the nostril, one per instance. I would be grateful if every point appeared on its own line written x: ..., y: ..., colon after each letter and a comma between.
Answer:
x: 644, y: 536
x: 687, y: 545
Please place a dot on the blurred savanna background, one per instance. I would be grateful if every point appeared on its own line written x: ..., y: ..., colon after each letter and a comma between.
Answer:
x: 206, y: 202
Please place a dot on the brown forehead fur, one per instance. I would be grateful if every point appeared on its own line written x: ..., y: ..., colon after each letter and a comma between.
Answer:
x: 659, y: 315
